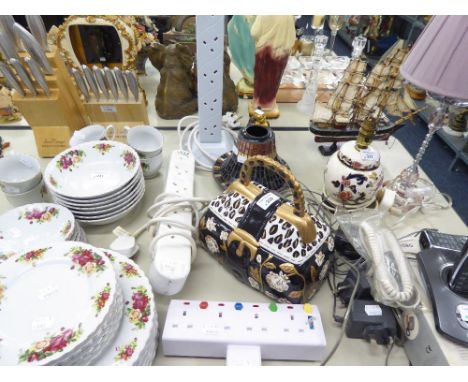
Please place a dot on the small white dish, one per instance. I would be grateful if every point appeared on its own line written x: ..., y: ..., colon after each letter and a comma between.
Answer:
x: 146, y: 140
x: 139, y: 323
x: 37, y: 195
x: 34, y: 225
x: 19, y: 173
x: 92, y: 133
x: 92, y: 169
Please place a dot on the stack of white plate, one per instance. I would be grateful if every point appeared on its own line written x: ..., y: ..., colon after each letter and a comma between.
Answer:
x: 99, y: 182
x: 34, y: 225
x: 72, y: 304
x: 135, y: 344
x: 59, y: 305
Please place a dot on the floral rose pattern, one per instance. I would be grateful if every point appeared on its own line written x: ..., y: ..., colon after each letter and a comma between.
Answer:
x: 31, y: 256
x: 128, y: 270
x: 346, y: 188
x: 2, y: 291
x: 101, y: 298
x: 109, y: 256
x: 37, y: 215
x: 125, y: 352
x: 139, y: 311
x: 86, y: 260
x: 53, y: 181
x: 66, y: 229
x: 278, y: 281
x: 50, y: 345
x: 103, y: 148
x: 129, y: 159
x: 68, y: 160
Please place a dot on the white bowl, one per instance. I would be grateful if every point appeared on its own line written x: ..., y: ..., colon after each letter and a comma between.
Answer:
x: 37, y: 195
x: 19, y: 173
x: 146, y: 140
x: 92, y: 169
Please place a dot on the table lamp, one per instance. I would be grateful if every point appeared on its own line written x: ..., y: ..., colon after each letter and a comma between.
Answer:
x: 437, y: 63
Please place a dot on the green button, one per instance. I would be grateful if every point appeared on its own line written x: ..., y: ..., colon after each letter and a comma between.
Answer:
x: 273, y: 307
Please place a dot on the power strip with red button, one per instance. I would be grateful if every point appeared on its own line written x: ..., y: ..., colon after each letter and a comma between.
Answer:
x: 215, y: 329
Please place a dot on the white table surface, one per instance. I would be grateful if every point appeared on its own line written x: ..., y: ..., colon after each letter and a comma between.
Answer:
x: 209, y: 281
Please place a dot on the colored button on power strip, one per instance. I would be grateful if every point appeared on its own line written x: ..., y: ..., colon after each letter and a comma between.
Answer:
x: 203, y: 305
x: 273, y: 307
x: 238, y: 306
x: 308, y: 308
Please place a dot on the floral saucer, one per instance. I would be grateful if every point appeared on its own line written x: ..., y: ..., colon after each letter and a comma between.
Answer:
x: 33, y: 225
x: 135, y: 342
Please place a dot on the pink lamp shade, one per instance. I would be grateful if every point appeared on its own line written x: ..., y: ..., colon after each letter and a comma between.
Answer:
x: 438, y: 61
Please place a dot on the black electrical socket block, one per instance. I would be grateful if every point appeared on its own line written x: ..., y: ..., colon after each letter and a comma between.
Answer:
x: 370, y: 320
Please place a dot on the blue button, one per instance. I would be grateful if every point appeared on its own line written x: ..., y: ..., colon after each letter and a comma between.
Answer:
x: 238, y: 306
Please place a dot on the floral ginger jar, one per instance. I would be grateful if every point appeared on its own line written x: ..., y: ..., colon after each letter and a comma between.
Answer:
x: 353, y: 176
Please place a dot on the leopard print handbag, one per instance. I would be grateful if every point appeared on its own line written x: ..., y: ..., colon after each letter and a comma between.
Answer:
x: 273, y: 245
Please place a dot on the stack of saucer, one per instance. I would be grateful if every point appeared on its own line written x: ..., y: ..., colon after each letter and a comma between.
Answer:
x: 37, y: 224
x: 21, y: 179
x: 99, y: 182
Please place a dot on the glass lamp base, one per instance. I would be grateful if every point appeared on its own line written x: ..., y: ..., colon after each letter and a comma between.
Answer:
x: 411, y: 191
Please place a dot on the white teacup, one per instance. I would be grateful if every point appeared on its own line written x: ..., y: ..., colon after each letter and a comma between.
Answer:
x: 36, y: 195
x: 19, y: 173
x: 151, y: 166
x: 146, y: 140
x: 92, y: 133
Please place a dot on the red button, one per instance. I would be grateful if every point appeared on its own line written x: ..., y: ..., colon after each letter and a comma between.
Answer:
x: 203, y: 305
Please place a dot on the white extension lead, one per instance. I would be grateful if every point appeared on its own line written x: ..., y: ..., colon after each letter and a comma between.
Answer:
x: 189, y: 136
x: 386, y: 288
x: 173, y: 218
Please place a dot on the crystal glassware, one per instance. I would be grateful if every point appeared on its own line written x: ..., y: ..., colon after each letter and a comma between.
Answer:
x: 335, y: 23
x: 317, y: 24
x: 307, y: 103
x: 359, y: 44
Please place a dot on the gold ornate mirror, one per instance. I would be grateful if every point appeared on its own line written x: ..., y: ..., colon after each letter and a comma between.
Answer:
x: 98, y: 40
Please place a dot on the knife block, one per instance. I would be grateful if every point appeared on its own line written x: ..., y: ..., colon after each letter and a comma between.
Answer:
x: 53, y: 118
x: 118, y: 113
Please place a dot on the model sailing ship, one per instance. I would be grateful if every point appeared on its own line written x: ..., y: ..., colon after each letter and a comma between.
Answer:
x: 358, y: 97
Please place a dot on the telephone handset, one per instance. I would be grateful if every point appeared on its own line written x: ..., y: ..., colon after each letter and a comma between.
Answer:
x: 392, y: 280
x: 459, y: 279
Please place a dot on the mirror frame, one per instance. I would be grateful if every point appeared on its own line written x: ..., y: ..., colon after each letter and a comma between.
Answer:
x: 123, y: 26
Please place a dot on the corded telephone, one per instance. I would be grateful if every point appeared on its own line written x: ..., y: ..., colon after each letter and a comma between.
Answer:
x: 393, y: 284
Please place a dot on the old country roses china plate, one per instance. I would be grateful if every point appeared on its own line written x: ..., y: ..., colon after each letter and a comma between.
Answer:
x: 59, y: 305
x: 92, y: 169
x: 135, y: 343
x: 33, y: 225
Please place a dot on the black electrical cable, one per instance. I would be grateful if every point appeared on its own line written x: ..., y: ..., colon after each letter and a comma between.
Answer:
x: 348, y: 310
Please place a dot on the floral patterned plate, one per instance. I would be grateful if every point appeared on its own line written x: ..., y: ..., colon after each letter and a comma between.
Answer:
x: 92, y: 169
x: 34, y: 225
x: 138, y: 327
x: 52, y: 302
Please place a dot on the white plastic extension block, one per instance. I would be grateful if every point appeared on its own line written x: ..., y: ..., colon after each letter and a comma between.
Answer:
x: 172, y: 254
x: 207, y: 328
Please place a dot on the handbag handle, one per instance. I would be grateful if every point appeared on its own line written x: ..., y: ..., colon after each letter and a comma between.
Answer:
x: 264, y: 161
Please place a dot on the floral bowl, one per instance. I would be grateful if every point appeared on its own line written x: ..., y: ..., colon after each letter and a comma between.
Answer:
x: 92, y: 169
